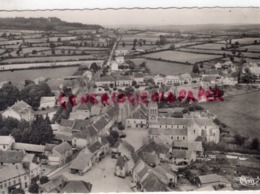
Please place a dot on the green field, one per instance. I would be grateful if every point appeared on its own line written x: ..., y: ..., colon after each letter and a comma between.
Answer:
x: 19, y: 76
x: 209, y: 46
x: 254, y: 48
x: 181, y: 56
x: 243, y: 40
x: 44, y: 59
x: 167, y: 68
x: 241, y: 113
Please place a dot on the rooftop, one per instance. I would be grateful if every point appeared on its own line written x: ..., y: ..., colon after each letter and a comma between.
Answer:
x: 74, y: 186
x: 81, y: 161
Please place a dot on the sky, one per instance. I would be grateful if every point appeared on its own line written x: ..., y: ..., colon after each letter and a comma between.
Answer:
x: 173, y: 16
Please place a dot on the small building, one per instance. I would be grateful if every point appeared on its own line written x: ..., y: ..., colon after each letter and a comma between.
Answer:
x: 166, y: 176
x: 85, y: 137
x: 114, y: 66
x: 139, y: 78
x: 82, y: 111
x: 183, y: 157
x: 158, y: 79
x: 20, y: 111
x: 48, y: 102
x: 60, y: 154
x: 19, y: 175
x: 121, y: 167
x: 123, y: 81
x: 195, y: 146
x: 151, y: 159
x: 120, y: 60
x: 105, y: 81
x: 137, y: 120
x: 211, y: 180
x: 30, y: 148
x: 6, y: 142
x: 82, y: 163
x: 171, y: 80
x: 54, y: 185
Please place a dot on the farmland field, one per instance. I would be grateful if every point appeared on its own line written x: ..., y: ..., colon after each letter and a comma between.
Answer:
x: 241, y: 113
x: 19, y: 76
x: 33, y: 65
x: 220, y: 52
x: 243, y: 40
x: 44, y: 59
x: 209, y: 46
x: 130, y: 46
x: 254, y: 48
x: 181, y: 56
x: 167, y: 68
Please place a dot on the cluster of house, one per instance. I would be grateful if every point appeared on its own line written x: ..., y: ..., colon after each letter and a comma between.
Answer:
x: 17, y: 167
x: 62, y: 184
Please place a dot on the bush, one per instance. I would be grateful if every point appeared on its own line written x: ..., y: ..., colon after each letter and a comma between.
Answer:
x: 239, y: 140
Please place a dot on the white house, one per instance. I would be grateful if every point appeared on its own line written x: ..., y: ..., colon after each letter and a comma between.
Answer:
x: 139, y: 78
x: 124, y: 81
x: 20, y: 110
x: 60, y: 154
x: 6, y: 142
x: 158, y: 79
x: 120, y: 60
x: 171, y: 79
x: 121, y: 52
x: 114, y: 66
x: 48, y: 102
x: 105, y: 81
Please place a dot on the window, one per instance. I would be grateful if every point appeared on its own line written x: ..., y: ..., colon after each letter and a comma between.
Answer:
x: 121, y: 168
x: 183, y: 138
x: 194, y: 131
x: 171, y: 137
x: 4, y: 146
x: 25, y: 185
x: 1, y: 186
x: 25, y: 177
x: 177, y: 137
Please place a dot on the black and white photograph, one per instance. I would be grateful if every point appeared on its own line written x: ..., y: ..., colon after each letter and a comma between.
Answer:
x: 129, y: 100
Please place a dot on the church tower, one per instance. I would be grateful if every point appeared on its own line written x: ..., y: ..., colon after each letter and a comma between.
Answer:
x: 152, y: 112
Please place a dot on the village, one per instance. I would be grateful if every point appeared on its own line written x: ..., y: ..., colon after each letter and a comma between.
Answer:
x: 95, y: 130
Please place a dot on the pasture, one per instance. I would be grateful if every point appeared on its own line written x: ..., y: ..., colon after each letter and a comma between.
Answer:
x: 45, y: 59
x: 31, y: 74
x: 243, y: 40
x: 209, y: 46
x: 241, y: 113
x: 253, y: 48
x: 182, y: 57
x: 166, y: 68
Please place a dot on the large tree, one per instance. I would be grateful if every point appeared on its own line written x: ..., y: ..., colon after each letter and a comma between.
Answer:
x: 32, y: 93
x: 195, y: 69
x: 41, y: 132
x: 9, y: 94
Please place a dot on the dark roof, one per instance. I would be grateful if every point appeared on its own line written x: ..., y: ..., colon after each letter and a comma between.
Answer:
x: 11, y: 156
x: 81, y: 161
x: 94, y: 147
x: 139, y: 115
x: 66, y: 123
x: 153, y: 147
x: 152, y: 184
x: 77, y: 187
x: 121, y: 161
x: 150, y: 158
x: 80, y: 124
x: 100, y: 124
x: 63, y: 147
x: 54, y: 183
